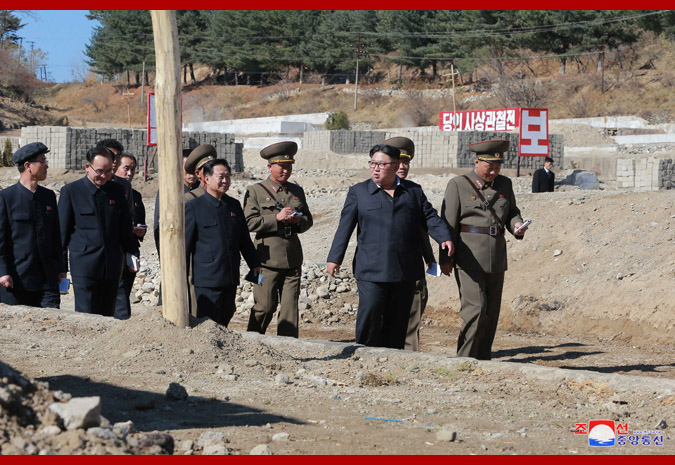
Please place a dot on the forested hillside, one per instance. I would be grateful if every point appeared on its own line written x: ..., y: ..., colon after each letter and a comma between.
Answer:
x: 239, y: 64
x: 253, y: 47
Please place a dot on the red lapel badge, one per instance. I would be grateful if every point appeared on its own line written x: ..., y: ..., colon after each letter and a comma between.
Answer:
x: 112, y: 202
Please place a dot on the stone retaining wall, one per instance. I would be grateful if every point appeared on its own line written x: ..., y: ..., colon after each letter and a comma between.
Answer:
x: 645, y: 174
x: 68, y: 145
x: 433, y: 148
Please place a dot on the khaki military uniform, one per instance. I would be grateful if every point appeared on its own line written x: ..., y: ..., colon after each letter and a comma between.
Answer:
x: 280, y: 253
x: 412, y: 338
x: 480, y: 255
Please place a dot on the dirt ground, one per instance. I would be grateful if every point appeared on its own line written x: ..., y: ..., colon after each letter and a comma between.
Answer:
x: 585, y: 334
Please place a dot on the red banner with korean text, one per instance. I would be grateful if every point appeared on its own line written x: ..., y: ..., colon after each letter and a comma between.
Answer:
x: 532, y: 122
x: 507, y: 119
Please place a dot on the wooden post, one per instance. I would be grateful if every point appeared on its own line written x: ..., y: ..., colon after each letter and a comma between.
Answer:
x: 452, y: 73
x: 172, y: 211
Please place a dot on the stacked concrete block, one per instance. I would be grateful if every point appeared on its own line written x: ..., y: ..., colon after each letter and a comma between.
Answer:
x: 225, y: 146
x: 69, y: 145
x: 645, y: 174
x: 344, y: 141
x: 625, y: 173
x: 316, y: 140
x: 666, y: 174
x: 433, y: 148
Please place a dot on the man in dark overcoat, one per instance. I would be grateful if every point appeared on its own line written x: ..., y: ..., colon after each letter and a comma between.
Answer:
x: 31, y: 258
x: 96, y: 233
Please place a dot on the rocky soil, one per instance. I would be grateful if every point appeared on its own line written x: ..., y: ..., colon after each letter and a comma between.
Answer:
x: 585, y: 333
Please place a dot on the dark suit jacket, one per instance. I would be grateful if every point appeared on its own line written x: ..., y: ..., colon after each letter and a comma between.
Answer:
x: 215, y: 236
x: 542, y: 181
x: 97, y: 240
x: 388, y: 234
x: 30, y: 239
x: 139, y: 213
x: 128, y: 193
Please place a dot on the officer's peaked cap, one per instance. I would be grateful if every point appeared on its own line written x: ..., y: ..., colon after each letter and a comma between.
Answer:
x: 198, y: 157
x: 491, y: 151
x: 405, y: 145
x: 281, y: 152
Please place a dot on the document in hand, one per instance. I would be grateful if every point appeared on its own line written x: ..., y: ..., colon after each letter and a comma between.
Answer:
x: 133, y: 262
x: 434, y: 270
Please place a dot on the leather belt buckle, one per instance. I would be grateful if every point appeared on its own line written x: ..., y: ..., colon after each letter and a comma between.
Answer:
x: 493, y: 230
x: 288, y: 231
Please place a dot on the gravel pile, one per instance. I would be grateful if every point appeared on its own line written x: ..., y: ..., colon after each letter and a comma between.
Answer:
x: 35, y: 420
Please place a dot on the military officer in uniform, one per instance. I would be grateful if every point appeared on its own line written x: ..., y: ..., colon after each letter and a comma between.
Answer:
x: 276, y: 211
x: 478, y: 208
x: 31, y: 258
x: 412, y: 339
x: 196, y: 160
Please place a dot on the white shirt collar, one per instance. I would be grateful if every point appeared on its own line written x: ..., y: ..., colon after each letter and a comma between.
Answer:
x: 398, y: 182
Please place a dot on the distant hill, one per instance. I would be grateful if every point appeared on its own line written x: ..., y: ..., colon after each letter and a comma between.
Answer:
x: 639, y: 83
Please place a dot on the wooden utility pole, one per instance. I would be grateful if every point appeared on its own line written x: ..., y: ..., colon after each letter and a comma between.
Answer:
x: 127, y: 95
x: 356, y: 80
x: 172, y: 211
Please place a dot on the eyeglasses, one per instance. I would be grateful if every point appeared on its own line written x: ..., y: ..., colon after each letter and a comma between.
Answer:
x: 379, y: 164
x: 103, y: 172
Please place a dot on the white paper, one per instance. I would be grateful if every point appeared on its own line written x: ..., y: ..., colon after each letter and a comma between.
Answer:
x: 434, y: 270
x: 133, y: 262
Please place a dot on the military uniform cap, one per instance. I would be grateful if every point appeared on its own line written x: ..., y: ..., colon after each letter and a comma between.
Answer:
x: 281, y: 152
x: 491, y: 151
x: 405, y: 145
x: 29, y: 151
x: 199, y: 156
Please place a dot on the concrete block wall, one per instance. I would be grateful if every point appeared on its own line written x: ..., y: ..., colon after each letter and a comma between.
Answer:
x: 345, y: 141
x: 69, y: 145
x: 433, y: 148
x: 316, y: 140
x: 53, y: 137
x: 666, y: 174
x: 625, y: 173
x: 645, y: 174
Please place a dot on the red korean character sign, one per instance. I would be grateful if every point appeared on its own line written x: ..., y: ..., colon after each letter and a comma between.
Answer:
x: 533, y: 132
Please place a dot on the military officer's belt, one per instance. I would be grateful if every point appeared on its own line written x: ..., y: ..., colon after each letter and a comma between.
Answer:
x: 283, y: 231
x: 493, y: 230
